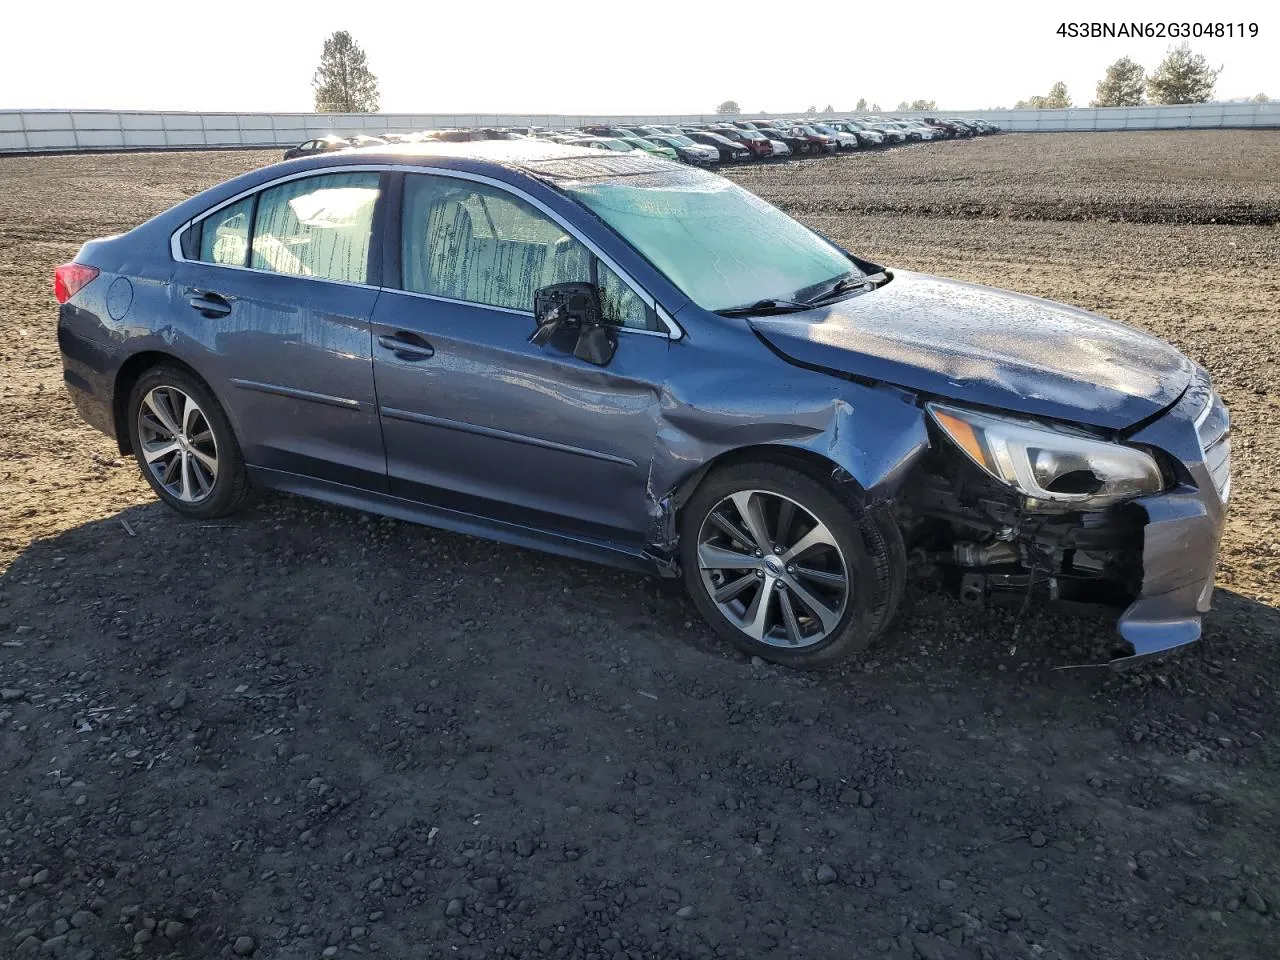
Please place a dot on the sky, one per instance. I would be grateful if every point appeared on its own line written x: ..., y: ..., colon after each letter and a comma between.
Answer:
x: 603, y: 56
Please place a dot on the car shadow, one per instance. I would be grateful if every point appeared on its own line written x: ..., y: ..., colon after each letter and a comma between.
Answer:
x: 289, y: 570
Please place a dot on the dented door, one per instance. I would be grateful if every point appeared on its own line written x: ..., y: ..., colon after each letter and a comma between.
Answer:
x: 476, y: 418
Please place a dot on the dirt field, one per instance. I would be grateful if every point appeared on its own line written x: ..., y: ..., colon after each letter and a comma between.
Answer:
x: 306, y: 732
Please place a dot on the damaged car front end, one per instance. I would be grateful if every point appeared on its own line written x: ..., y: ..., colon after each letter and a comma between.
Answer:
x: 1023, y: 448
x: 1002, y: 508
x: 1069, y: 458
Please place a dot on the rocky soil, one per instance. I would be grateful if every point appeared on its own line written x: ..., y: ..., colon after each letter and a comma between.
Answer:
x: 306, y: 732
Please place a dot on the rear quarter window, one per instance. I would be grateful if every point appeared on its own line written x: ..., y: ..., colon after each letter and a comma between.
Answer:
x: 224, y: 235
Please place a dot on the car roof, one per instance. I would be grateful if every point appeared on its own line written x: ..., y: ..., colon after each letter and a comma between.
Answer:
x: 481, y: 153
x: 506, y: 160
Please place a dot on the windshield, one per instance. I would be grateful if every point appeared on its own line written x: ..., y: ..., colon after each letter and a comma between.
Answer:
x: 721, y: 245
x: 680, y: 139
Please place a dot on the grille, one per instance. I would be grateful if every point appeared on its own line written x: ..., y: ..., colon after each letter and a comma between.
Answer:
x: 1213, y: 426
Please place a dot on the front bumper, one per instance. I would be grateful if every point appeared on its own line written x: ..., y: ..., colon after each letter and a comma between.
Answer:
x: 1184, y: 525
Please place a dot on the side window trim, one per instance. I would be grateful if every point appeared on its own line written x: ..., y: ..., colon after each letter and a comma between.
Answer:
x: 184, y: 245
x: 672, y: 331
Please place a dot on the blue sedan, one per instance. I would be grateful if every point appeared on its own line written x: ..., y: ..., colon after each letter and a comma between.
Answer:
x: 625, y: 360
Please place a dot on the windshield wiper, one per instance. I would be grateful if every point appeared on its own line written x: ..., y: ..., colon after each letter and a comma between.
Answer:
x: 845, y: 284
x: 770, y: 305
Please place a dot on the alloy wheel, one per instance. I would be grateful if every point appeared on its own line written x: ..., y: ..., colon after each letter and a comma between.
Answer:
x: 773, y: 569
x: 177, y: 444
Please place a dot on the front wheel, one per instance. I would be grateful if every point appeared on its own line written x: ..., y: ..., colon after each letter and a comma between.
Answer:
x: 786, y: 568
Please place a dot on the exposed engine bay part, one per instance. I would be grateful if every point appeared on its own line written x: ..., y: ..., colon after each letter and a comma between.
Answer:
x: 984, y: 540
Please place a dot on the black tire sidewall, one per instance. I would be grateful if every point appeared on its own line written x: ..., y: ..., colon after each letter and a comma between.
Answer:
x: 842, y: 517
x: 231, y: 483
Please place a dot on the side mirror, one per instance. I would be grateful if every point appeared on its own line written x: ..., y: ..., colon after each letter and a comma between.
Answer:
x: 574, y: 308
x: 564, y: 306
x: 596, y: 344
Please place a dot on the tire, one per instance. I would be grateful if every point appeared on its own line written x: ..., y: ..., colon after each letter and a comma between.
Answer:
x: 206, y: 434
x: 865, y: 545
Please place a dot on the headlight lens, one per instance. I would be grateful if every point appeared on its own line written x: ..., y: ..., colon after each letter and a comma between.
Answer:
x: 1050, y: 464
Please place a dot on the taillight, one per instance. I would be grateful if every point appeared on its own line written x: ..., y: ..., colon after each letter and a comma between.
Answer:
x: 70, y: 278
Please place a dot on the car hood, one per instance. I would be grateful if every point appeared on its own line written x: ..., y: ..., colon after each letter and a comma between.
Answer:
x: 994, y: 348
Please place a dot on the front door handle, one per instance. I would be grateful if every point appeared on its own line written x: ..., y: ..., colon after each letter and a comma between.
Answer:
x: 407, y: 346
x: 208, y: 303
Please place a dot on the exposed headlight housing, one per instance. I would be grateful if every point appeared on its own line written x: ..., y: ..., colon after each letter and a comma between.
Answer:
x: 1050, y: 464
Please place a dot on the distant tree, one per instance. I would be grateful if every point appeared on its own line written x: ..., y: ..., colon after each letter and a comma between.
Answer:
x: 729, y: 106
x: 904, y: 105
x: 875, y: 108
x: 1122, y: 85
x: 1261, y: 98
x: 1058, y: 99
x: 862, y: 105
x: 343, y: 82
x: 828, y: 109
x: 924, y: 105
x: 812, y: 110
x: 1182, y: 77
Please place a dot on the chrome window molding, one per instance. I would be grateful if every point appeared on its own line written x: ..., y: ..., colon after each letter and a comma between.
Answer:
x: 462, y: 303
x: 289, y: 276
x: 673, y: 330
x: 512, y: 310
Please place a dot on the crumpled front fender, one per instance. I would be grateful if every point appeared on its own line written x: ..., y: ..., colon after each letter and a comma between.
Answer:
x: 871, y: 435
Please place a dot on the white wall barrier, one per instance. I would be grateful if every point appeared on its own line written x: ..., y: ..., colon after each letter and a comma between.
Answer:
x: 45, y: 131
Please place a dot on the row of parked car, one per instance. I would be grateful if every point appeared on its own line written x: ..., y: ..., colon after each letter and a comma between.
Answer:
x: 702, y: 144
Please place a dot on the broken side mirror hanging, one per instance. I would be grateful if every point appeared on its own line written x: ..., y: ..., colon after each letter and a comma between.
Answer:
x: 574, y: 308
x: 596, y: 344
x: 564, y: 306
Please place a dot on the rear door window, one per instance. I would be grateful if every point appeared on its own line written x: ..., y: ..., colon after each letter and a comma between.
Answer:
x: 316, y: 227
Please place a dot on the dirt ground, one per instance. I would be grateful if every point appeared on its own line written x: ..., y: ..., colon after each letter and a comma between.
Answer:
x: 306, y: 732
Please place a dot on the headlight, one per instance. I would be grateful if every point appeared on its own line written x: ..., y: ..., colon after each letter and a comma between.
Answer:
x: 1056, y: 465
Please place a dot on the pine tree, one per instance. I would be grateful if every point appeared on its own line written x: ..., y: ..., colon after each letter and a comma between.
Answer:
x: 1122, y: 86
x: 862, y: 105
x: 1182, y: 77
x: 343, y: 82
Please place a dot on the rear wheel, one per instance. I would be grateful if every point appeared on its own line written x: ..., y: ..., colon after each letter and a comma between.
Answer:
x: 786, y: 568
x: 184, y: 444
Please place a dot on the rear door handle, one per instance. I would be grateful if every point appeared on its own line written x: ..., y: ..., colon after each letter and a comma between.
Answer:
x: 209, y: 304
x: 407, y: 346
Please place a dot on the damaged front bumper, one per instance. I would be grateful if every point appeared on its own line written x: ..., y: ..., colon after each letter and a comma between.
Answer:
x: 1151, y: 559
x: 1183, y: 525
